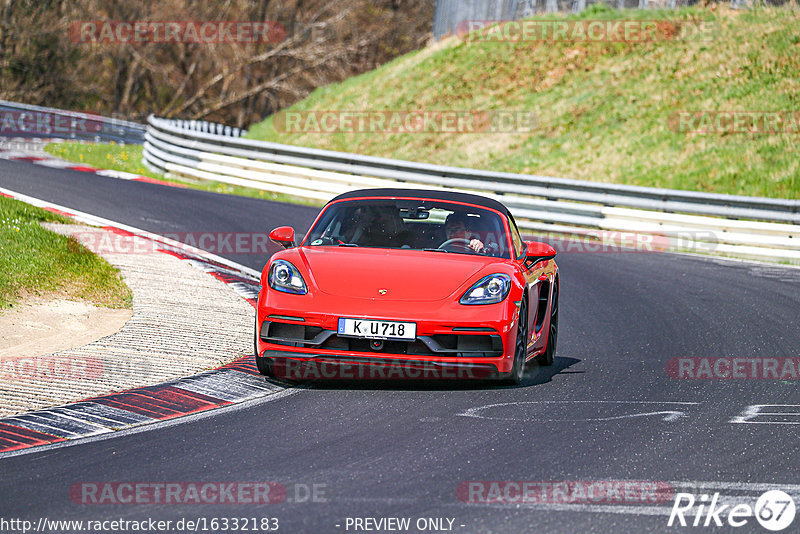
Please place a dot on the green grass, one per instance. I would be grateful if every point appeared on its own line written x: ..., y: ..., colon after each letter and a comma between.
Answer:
x: 36, y: 261
x: 603, y: 108
x: 128, y: 158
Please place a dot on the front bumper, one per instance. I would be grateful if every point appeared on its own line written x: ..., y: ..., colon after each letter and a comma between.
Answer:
x: 449, y: 335
x: 294, y: 366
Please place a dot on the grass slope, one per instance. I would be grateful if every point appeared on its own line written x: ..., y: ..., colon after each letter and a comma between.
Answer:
x: 36, y: 261
x: 603, y: 108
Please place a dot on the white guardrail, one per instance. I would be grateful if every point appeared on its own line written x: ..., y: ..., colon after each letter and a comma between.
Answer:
x: 616, y: 215
x: 27, y: 121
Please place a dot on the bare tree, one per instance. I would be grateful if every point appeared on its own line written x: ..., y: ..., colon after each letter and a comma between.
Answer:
x: 325, y: 41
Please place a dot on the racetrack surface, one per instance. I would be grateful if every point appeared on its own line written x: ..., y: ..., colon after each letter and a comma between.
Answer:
x: 608, y: 410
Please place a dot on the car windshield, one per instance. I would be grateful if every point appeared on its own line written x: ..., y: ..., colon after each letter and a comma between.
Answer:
x: 429, y: 225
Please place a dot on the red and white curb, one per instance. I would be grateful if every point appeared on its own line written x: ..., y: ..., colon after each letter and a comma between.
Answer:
x: 230, y: 384
x: 56, y: 163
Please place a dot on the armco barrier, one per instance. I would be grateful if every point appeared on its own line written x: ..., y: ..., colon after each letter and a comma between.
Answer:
x: 712, y: 223
x: 23, y: 120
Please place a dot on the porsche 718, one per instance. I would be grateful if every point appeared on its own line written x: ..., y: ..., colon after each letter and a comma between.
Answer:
x: 432, y: 283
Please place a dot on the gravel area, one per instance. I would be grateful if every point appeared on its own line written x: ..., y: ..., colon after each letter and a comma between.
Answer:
x: 184, y: 321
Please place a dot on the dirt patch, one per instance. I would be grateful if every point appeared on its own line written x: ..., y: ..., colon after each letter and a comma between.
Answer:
x: 41, y: 327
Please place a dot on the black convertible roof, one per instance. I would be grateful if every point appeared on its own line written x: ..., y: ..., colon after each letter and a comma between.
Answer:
x: 432, y: 194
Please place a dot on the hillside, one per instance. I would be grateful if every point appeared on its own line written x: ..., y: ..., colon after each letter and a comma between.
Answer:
x: 604, y: 111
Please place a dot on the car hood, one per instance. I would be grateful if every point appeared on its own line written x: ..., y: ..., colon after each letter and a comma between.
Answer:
x: 403, y: 274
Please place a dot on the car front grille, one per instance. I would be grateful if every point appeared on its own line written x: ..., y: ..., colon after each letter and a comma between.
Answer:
x: 314, y: 337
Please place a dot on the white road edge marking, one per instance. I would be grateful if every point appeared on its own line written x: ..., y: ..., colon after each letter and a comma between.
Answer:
x: 94, y: 220
x: 147, y: 426
x: 136, y: 428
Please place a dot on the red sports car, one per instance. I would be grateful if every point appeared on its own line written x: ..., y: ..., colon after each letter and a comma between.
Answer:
x: 401, y: 283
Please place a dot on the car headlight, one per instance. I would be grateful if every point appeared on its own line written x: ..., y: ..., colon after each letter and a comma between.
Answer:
x: 488, y: 290
x: 283, y: 276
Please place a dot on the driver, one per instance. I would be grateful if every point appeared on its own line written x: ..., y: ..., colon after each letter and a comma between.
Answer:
x: 456, y: 226
x: 381, y: 227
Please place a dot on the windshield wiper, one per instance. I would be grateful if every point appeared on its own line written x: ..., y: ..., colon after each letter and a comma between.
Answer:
x: 436, y: 250
x: 347, y: 245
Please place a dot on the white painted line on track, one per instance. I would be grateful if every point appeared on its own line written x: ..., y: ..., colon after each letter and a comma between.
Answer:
x: 100, y: 221
x: 149, y: 425
x: 668, y: 415
x: 86, y: 421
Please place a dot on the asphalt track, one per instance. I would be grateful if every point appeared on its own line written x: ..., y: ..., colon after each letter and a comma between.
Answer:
x: 607, y: 410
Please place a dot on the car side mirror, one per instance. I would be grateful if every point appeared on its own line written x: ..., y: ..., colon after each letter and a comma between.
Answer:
x: 283, y: 235
x: 538, y: 251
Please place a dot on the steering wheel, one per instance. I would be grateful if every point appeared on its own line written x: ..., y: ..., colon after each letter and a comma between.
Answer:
x: 458, y: 242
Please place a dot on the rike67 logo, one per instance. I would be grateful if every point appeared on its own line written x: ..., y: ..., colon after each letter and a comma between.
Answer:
x: 774, y: 510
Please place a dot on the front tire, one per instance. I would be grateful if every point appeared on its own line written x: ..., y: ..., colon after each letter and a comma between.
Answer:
x: 517, y: 373
x: 264, y: 365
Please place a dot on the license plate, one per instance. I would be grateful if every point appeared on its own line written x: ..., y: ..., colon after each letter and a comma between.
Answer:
x: 371, y: 329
